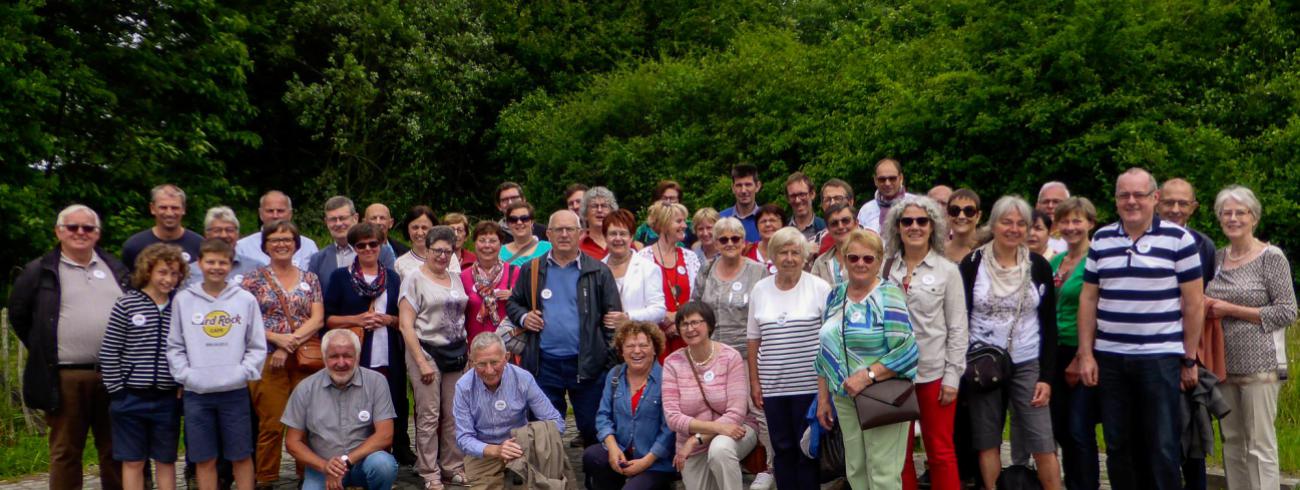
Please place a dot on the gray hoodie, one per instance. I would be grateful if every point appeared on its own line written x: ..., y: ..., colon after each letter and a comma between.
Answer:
x: 215, y: 344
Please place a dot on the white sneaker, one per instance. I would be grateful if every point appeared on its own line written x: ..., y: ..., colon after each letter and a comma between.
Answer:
x: 762, y: 481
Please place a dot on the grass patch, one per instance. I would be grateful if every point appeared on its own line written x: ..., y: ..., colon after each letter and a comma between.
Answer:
x: 29, y: 453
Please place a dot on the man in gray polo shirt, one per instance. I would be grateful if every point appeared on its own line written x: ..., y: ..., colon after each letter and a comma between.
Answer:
x: 340, y: 420
x: 59, y: 308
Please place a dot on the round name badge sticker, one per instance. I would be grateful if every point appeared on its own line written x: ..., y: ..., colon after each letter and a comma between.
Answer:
x: 304, y: 286
x: 239, y: 278
x: 99, y: 274
x: 857, y: 317
x: 138, y: 320
x: 363, y: 416
x: 709, y: 376
x: 186, y: 256
x: 197, y: 319
x: 1144, y: 247
x: 737, y: 286
x: 681, y: 269
x: 499, y: 405
x: 927, y: 279
x: 546, y: 293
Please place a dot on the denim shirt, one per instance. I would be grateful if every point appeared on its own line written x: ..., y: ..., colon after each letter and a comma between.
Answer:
x: 647, y: 429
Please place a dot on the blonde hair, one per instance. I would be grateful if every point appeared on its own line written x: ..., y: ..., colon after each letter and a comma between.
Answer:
x: 661, y: 215
x: 156, y: 254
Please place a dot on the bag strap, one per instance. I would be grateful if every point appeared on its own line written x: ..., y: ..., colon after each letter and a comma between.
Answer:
x: 511, y: 258
x: 703, y: 396
x: 282, y: 300
x: 889, y: 266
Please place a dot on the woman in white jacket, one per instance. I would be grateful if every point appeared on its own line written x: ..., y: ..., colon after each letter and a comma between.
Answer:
x: 640, y: 284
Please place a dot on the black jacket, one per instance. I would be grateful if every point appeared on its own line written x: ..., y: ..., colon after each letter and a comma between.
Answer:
x: 1040, y: 273
x: 34, y: 313
x: 598, y: 295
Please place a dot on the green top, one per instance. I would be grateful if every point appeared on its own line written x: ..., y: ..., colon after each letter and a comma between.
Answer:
x: 1067, y: 302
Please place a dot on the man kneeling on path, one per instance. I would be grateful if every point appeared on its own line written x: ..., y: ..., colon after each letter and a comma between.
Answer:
x: 492, y: 428
x: 340, y: 420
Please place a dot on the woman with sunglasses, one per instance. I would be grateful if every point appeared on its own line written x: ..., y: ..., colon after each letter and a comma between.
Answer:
x: 865, y: 337
x: 840, y: 221
x: 785, y: 314
x: 678, y: 266
x: 936, y: 304
x: 363, y: 297
x: 724, y: 284
x: 524, y: 246
x: 963, y: 224
x: 1012, y: 305
x: 770, y: 218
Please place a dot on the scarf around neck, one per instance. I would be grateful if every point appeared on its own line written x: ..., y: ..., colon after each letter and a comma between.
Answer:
x: 366, y: 290
x: 1005, y: 281
x: 884, y: 203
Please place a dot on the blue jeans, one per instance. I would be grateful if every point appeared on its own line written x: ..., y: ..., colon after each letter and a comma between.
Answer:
x: 558, y: 376
x: 1141, y: 416
x: 377, y: 472
x: 786, y: 421
x: 1075, y: 415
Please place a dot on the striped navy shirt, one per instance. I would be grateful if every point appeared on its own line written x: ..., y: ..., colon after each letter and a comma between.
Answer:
x: 134, y: 351
x: 1139, y: 307
x: 787, y: 323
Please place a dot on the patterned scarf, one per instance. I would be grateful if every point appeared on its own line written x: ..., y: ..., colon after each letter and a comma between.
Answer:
x: 884, y: 204
x: 485, y: 285
x: 369, y: 291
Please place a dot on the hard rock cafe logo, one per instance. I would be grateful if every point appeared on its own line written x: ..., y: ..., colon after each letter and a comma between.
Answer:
x: 218, y: 323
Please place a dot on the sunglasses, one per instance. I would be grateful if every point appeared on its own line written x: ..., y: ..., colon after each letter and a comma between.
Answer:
x: 865, y: 259
x: 519, y: 219
x: 366, y: 245
x: 726, y: 240
x: 841, y: 222
x: 81, y: 228
x: 956, y: 211
x: 907, y: 221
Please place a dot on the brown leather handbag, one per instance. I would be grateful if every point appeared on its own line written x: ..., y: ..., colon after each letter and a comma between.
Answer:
x: 884, y: 402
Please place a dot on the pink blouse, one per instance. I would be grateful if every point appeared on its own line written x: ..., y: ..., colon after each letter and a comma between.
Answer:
x: 725, y: 381
x: 475, y: 325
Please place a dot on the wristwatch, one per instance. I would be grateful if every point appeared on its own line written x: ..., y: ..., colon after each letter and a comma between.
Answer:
x: 346, y: 462
x: 871, y: 374
x: 1189, y: 362
x: 699, y: 439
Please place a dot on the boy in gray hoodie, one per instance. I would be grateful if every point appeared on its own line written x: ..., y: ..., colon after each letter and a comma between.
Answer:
x: 215, y: 347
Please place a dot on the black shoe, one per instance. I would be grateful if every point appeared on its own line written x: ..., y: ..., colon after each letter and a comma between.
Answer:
x: 924, y: 480
x: 405, y: 458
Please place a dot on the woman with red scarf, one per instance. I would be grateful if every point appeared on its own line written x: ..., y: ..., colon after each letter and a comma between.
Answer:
x: 677, y: 264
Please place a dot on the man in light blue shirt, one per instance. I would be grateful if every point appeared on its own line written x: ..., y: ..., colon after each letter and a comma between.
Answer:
x: 274, y: 205
x: 491, y: 400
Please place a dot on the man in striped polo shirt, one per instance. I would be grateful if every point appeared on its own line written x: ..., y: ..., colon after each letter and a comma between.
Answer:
x: 1142, y: 304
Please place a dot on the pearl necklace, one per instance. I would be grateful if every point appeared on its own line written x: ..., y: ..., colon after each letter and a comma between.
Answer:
x: 1249, y: 252
x: 712, y: 351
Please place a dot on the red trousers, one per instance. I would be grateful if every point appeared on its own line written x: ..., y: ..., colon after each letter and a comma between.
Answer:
x: 936, y: 434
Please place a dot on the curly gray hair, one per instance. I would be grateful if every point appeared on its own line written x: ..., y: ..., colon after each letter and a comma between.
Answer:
x: 938, y: 230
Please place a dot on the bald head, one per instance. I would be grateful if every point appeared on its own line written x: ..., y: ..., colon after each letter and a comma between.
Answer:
x: 379, y: 215
x: 1177, y: 201
x: 940, y: 194
x: 562, y: 231
x: 273, y: 206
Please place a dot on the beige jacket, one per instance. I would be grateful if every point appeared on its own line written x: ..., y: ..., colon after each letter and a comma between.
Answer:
x: 545, y: 465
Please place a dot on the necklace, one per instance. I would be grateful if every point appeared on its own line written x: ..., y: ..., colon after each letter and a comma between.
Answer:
x: 706, y: 361
x: 1249, y: 251
x: 664, y: 256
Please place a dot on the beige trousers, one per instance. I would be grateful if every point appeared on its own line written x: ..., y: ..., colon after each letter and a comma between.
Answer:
x: 719, y: 467
x: 435, y: 429
x: 485, y: 473
x: 1250, y: 453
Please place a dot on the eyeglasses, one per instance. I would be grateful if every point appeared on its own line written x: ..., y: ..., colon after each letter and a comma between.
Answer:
x: 834, y: 199
x: 440, y: 251
x: 519, y: 219
x: 509, y: 199
x: 727, y: 240
x: 969, y: 211
x: 338, y: 219
x: 693, y: 323
x: 279, y: 241
x: 865, y: 259
x: 1234, y: 213
x: 1177, y: 203
x: 366, y: 245
x: 907, y: 221
x: 886, y: 178
x: 841, y: 222
x: 798, y: 196
x: 75, y: 228
x: 1125, y: 196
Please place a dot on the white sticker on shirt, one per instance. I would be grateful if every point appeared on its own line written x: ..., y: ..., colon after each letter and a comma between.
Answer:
x: 304, y: 286
x: 239, y: 278
x: 681, y: 269
x: 197, y: 319
x: 138, y: 320
x: 499, y: 405
x: 736, y: 286
x: 546, y: 293
x: 99, y: 274
x: 186, y: 256
x: 927, y: 279
x: 363, y: 416
x: 1144, y: 247
x: 857, y: 317
x: 709, y: 376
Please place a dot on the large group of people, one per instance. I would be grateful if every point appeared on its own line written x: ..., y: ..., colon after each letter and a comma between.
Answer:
x: 688, y: 347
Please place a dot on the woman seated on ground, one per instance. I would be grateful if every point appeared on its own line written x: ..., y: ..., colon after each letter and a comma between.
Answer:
x: 636, y: 449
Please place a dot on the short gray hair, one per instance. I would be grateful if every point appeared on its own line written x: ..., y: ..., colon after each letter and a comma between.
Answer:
x: 729, y: 225
x: 1007, y: 204
x: 76, y: 208
x: 938, y: 224
x: 1138, y: 171
x: 262, y: 201
x: 485, y: 340
x: 785, y: 236
x: 598, y: 192
x: 166, y: 190
x: 1054, y: 183
x: 1243, y: 196
x: 343, y: 333
x: 440, y: 233
x: 338, y: 202
x: 223, y: 213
